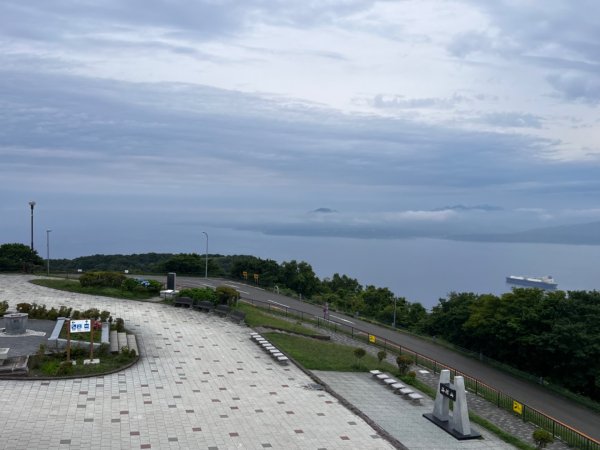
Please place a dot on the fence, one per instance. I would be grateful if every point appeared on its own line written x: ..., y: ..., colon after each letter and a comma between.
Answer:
x: 558, y: 429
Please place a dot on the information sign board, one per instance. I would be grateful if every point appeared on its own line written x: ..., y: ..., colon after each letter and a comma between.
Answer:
x: 81, y: 326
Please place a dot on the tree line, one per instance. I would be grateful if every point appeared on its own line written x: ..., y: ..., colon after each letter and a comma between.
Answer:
x: 554, y: 335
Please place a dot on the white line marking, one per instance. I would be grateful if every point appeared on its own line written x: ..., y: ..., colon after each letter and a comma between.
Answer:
x: 280, y: 304
x: 339, y: 318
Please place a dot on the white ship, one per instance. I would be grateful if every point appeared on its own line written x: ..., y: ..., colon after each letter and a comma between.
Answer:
x: 546, y: 283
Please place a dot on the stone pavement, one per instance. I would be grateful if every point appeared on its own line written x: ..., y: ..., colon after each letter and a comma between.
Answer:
x: 200, y: 383
x: 398, y: 416
x: 499, y: 417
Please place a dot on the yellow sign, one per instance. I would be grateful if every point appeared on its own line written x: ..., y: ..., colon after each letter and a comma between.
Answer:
x: 256, y: 276
x: 371, y: 339
x: 245, y: 274
x: 517, y: 407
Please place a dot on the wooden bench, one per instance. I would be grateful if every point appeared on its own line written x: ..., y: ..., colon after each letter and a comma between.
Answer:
x: 204, y: 305
x: 222, y: 310
x: 237, y: 316
x: 183, y: 301
x: 375, y: 372
x: 397, y: 386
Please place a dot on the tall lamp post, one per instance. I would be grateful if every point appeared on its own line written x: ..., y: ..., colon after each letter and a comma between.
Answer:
x: 48, y: 251
x: 32, y: 204
x: 206, y: 257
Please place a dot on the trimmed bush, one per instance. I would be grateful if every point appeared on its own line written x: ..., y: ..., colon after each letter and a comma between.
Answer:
x: 3, y: 307
x: 102, y: 279
x: 227, y: 296
x: 199, y: 294
x: 403, y: 362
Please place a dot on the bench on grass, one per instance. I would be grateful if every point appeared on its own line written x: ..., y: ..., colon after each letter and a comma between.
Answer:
x: 237, y: 316
x: 222, y: 310
x: 204, y: 305
x: 183, y: 301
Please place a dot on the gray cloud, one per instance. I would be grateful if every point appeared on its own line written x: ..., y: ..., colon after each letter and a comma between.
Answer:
x: 576, y: 86
x: 512, y: 120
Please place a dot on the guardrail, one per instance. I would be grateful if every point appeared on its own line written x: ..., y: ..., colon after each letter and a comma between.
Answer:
x: 558, y: 429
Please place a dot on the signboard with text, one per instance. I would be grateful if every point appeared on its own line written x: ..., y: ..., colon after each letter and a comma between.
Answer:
x: 81, y: 326
x: 447, y: 391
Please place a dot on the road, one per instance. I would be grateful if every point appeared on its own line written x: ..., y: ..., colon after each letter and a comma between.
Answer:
x: 557, y: 407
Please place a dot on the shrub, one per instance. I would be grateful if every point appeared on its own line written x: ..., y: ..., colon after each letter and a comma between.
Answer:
x: 542, y: 438
x: 412, y: 375
x: 199, y: 294
x: 64, y: 368
x: 63, y: 311
x: 403, y: 362
x: 381, y: 355
x: 102, y: 279
x: 359, y: 353
x: 52, y: 314
x: 132, y: 353
x: 38, y: 311
x: 23, y: 307
x: 76, y: 315
x: 120, y: 325
x: 3, y: 307
x: 103, y: 350
x: 139, y: 285
x: 92, y: 313
x: 227, y: 295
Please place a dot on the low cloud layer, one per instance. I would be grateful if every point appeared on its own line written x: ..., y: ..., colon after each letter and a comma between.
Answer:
x: 246, y: 116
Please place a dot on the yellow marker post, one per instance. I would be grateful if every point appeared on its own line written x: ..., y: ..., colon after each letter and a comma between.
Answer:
x: 517, y: 407
x: 371, y: 339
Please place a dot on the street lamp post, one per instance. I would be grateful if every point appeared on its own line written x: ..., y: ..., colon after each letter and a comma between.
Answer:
x: 48, y: 251
x: 206, y: 257
x: 32, y: 204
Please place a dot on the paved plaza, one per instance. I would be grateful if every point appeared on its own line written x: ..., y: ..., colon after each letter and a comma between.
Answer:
x: 200, y: 383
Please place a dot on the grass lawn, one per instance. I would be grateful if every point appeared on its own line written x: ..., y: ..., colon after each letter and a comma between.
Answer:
x: 74, y: 286
x: 257, y: 318
x: 322, y: 355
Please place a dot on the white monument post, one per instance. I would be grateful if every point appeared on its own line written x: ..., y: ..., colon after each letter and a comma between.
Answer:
x: 457, y: 424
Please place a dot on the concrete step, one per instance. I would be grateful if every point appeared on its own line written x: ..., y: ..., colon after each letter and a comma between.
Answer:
x: 132, y: 343
x: 114, y: 343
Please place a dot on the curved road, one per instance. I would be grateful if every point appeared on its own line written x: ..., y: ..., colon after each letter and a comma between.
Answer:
x: 560, y: 408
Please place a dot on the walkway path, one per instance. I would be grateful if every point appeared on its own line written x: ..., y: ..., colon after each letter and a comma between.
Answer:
x: 201, y: 383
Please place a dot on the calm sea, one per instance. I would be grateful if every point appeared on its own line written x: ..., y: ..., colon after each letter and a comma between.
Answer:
x: 423, y: 269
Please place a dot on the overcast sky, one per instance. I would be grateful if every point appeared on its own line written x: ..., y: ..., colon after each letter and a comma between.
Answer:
x: 137, y: 122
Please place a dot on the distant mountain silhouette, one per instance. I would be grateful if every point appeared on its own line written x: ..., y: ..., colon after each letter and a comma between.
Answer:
x: 580, y: 234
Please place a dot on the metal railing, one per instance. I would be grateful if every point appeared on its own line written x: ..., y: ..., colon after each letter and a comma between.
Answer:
x: 558, y: 429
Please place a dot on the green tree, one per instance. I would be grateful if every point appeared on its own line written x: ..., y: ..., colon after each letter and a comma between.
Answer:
x: 403, y: 362
x: 227, y: 295
x: 18, y: 257
x: 359, y: 353
x: 300, y: 277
